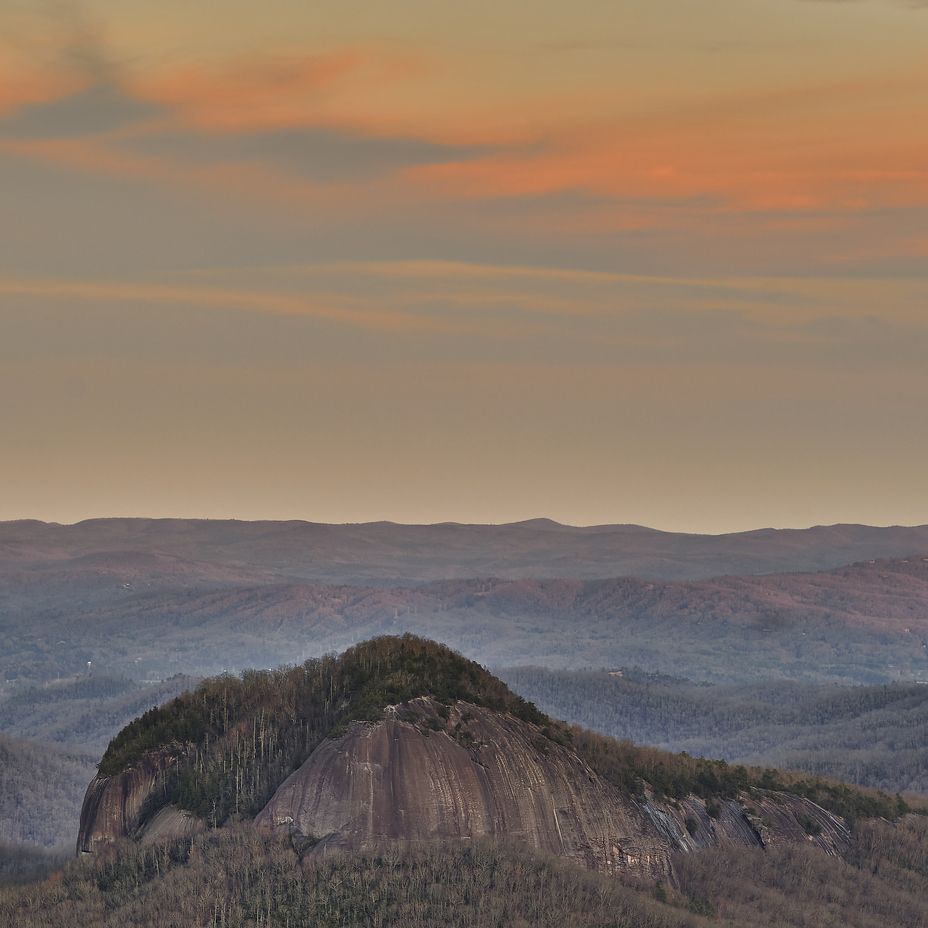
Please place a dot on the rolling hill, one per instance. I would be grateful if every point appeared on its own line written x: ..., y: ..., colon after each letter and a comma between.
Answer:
x: 150, y: 617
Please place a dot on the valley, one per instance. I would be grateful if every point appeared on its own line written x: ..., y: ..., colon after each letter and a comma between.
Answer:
x: 859, y: 624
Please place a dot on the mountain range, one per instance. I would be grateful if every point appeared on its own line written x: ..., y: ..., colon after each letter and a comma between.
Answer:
x: 390, y: 554
x: 100, y: 620
x: 148, y: 599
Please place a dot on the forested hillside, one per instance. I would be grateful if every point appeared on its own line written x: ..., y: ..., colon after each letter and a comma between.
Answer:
x: 41, y: 789
x: 875, y: 736
x: 860, y: 624
x: 241, y: 736
x: 51, y: 739
x: 237, y: 738
x: 86, y: 711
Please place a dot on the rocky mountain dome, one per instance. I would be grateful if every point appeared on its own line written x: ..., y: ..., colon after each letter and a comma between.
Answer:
x: 458, y: 757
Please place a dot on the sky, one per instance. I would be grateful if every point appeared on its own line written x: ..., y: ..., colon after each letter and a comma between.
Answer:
x: 616, y: 261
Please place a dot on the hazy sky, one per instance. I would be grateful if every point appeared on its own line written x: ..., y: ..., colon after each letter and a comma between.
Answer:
x: 653, y: 261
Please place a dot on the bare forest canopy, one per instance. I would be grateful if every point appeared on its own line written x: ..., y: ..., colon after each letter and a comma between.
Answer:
x: 876, y: 736
x: 41, y: 790
x: 243, y: 878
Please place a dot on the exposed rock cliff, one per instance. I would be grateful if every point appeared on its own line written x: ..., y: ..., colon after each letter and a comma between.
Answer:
x: 406, y: 781
x: 113, y: 806
x: 416, y: 776
x: 757, y: 819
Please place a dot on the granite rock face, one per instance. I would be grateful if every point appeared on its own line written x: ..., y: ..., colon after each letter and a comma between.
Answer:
x: 427, y: 772
x: 418, y: 777
x: 113, y: 806
x: 760, y: 819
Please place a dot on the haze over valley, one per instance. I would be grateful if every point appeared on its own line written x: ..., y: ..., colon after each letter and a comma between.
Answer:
x: 814, y: 670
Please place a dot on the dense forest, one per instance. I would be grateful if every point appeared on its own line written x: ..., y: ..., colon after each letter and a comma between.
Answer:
x: 874, y: 736
x: 239, y: 877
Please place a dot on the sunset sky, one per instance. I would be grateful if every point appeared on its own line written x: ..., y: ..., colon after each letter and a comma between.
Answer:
x: 651, y: 261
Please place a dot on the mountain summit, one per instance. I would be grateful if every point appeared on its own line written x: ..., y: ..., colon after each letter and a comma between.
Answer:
x: 403, y: 740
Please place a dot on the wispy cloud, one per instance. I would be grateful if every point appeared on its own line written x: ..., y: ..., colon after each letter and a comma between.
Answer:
x: 502, y: 301
x: 366, y: 121
x: 342, y: 308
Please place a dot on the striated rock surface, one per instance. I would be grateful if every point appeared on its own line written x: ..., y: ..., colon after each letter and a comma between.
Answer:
x: 427, y: 772
x: 170, y: 822
x: 113, y: 806
x: 759, y: 819
x: 417, y: 777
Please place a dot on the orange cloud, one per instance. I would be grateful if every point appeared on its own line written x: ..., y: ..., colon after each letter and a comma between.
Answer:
x: 846, y: 146
x: 735, y: 168
x: 838, y: 148
x: 843, y: 147
x: 28, y: 87
x: 283, y: 90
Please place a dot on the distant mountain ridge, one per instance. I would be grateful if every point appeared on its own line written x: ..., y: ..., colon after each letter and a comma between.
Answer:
x: 386, y: 553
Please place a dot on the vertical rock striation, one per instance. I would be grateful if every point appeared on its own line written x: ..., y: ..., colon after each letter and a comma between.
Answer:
x: 417, y: 777
x: 113, y: 806
x: 427, y: 772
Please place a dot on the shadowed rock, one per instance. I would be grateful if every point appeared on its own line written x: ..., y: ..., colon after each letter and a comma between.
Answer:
x: 113, y: 806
